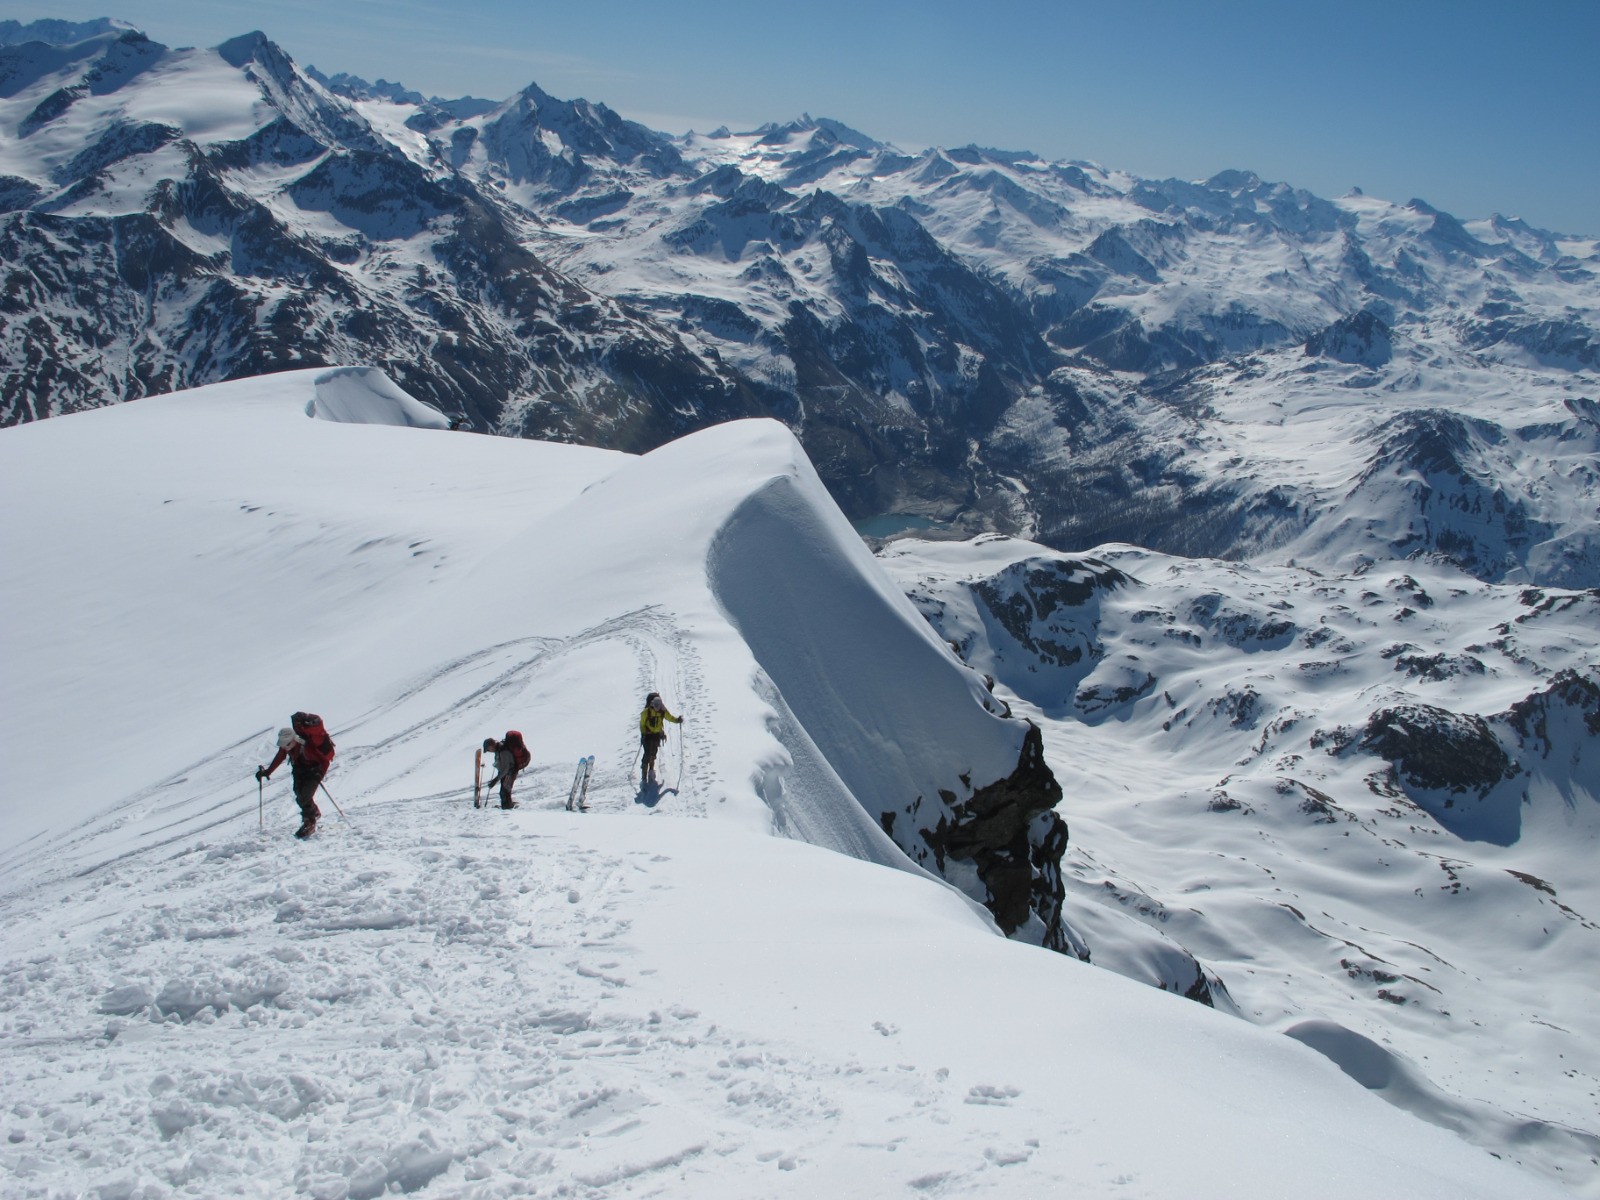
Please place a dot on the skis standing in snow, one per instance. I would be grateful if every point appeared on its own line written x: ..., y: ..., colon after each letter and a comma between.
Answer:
x: 309, y: 750
x: 652, y: 732
x: 511, y: 755
x: 578, y: 797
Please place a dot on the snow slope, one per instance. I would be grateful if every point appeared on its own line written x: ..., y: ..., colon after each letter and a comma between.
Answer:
x: 449, y: 1001
x: 1362, y: 809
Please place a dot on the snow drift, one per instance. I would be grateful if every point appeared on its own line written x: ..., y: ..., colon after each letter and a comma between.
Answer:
x: 366, y: 396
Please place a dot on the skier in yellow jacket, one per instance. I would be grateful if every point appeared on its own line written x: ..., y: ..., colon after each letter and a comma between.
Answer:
x: 652, y: 731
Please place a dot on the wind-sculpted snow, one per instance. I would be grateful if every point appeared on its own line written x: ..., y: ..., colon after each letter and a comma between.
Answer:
x: 366, y: 396
x: 1361, y: 806
x: 913, y: 736
x: 442, y: 1000
x: 825, y: 771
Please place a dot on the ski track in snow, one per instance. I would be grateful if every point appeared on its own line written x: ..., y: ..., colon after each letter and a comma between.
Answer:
x: 427, y: 998
x: 453, y: 703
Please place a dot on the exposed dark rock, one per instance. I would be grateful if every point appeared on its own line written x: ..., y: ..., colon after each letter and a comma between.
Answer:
x: 1438, y: 750
x: 1028, y: 600
x: 1242, y: 707
x: 1103, y: 696
x: 1531, y: 717
x: 1239, y: 626
x: 1010, y: 831
x: 1360, y: 338
x: 1433, y: 667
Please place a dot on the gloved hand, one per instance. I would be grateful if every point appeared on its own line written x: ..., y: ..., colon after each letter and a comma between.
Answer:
x: 261, y: 773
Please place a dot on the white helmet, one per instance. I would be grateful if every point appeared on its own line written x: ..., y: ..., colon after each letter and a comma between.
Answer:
x: 286, y: 738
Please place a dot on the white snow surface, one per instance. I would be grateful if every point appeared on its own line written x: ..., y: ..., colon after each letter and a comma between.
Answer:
x: 1205, y: 721
x: 366, y: 396
x: 657, y: 997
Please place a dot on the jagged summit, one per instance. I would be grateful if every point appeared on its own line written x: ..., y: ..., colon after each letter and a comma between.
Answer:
x: 776, y: 134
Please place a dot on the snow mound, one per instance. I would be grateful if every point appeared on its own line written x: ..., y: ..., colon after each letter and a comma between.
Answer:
x: 366, y: 396
x: 1379, y: 1069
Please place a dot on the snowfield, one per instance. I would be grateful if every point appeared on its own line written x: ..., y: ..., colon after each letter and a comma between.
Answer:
x: 1357, y: 808
x: 657, y: 997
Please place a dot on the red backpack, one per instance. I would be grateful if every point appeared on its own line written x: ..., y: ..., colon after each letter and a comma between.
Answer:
x: 519, y: 750
x: 318, y: 746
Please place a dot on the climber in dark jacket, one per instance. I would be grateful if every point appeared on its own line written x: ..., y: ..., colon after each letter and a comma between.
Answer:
x: 510, y: 755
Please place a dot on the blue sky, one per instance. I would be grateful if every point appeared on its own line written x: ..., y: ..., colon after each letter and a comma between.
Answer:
x: 1472, y: 105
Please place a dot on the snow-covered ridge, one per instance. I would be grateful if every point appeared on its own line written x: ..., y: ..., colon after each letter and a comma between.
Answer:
x: 366, y: 396
x: 452, y: 1001
x: 696, y: 494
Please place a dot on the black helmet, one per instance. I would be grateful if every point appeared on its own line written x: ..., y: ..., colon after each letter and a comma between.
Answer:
x: 488, y: 743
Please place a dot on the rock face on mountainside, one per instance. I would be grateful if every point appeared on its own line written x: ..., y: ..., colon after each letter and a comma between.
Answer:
x: 967, y: 338
x: 1010, y: 832
x: 1437, y: 750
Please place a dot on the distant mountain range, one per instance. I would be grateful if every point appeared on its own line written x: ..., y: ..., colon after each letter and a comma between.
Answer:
x: 965, y: 340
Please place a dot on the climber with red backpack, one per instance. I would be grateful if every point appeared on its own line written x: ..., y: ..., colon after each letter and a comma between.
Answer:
x: 309, y: 750
x: 511, y: 755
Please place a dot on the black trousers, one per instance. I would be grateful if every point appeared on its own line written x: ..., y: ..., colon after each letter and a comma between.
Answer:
x: 305, y: 793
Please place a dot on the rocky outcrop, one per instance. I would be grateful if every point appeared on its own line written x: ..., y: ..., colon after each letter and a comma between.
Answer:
x: 1571, y: 695
x: 1010, y: 832
x: 1437, y: 750
x: 1361, y: 338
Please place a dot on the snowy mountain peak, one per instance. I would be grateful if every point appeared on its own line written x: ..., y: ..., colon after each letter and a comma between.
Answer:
x: 836, y: 132
x: 1234, y: 181
x: 940, y: 327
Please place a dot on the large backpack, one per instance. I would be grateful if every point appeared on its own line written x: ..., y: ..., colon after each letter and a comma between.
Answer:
x: 318, y: 749
x: 519, y: 750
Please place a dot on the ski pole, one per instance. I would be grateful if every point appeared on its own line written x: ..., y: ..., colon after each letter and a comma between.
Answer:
x: 331, y: 800
x: 261, y: 812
